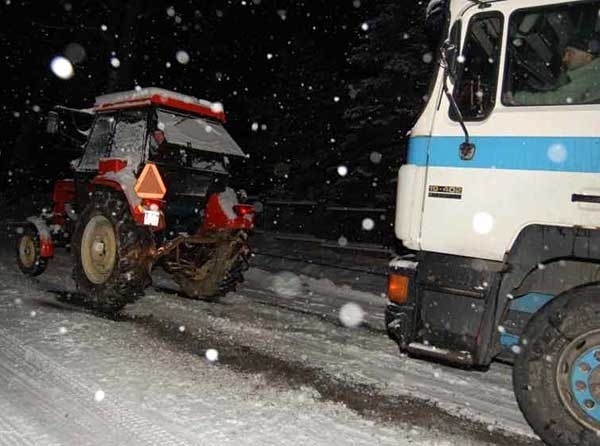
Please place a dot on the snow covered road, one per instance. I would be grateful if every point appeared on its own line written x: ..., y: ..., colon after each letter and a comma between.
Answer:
x: 288, y: 371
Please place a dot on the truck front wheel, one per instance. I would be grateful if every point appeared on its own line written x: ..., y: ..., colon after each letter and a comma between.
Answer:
x: 112, y: 255
x: 556, y: 374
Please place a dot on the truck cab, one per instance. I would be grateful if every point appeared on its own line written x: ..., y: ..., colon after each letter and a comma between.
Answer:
x: 499, y: 202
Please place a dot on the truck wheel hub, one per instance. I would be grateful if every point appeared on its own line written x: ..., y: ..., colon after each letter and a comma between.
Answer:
x: 578, y: 379
x: 98, y: 249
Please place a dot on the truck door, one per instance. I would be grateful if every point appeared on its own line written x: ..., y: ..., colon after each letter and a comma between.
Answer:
x: 537, y: 141
x: 452, y: 191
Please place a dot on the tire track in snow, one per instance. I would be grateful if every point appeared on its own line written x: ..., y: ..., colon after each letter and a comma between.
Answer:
x: 40, y: 377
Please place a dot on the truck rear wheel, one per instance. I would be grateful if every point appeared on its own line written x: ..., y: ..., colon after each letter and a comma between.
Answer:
x: 29, y: 257
x: 556, y: 374
x: 112, y: 255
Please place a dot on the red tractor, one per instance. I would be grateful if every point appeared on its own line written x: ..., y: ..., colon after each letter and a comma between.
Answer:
x: 149, y: 189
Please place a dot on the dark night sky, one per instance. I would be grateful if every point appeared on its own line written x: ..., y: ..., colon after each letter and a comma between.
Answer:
x: 327, y: 82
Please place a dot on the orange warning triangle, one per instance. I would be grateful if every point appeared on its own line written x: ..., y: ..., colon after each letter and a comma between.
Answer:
x: 150, y: 183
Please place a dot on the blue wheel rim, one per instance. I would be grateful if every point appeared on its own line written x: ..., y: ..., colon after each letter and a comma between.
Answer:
x: 583, y: 369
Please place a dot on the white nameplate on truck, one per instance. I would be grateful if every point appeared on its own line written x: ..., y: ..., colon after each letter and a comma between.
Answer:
x: 454, y: 192
x: 151, y: 218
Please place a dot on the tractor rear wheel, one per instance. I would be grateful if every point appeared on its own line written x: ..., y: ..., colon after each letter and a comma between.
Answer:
x: 112, y: 255
x: 216, y: 284
x: 209, y: 272
x: 29, y: 257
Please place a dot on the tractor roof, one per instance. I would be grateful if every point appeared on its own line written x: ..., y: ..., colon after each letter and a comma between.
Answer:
x: 160, y: 97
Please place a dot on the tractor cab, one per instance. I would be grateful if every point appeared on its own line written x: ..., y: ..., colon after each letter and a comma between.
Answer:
x: 182, y: 136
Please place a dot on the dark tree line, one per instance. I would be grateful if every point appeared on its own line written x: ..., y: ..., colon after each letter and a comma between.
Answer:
x: 307, y: 86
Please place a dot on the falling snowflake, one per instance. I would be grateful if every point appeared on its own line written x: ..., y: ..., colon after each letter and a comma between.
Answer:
x: 282, y: 13
x: 351, y: 315
x: 287, y: 284
x: 254, y: 126
x: 103, y: 27
x: 182, y: 328
x: 116, y: 63
x: 62, y: 330
x: 557, y: 153
x: 99, y: 395
x: 483, y: 223
x: 182, y: 57
x: 342, y: 241
x: 368, y: 224
x: 364, y: 26
x: 62, y: 67
x: 427, y: 57
x: 211, y: 355
x: 32, y: 313
x: 336, y: 99
x: 375, y: 157
x: 342, y: 171
x: 269, y: 56
x: 171, y: 11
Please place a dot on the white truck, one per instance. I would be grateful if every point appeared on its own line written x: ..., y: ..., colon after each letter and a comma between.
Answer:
x: 500, y: 203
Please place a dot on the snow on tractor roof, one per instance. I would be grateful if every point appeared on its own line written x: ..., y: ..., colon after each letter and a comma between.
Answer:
x: 159, y: 96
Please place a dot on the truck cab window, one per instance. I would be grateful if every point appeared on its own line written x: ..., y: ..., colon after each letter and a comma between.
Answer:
x: 477, y: 67
x: 553, y: 55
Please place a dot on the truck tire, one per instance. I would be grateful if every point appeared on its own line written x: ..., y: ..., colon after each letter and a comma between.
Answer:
x: 556, y: 375
x: 112, y: 255
x: 29, y: 257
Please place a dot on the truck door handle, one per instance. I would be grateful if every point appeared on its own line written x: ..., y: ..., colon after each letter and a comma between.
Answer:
x: 582, y: 198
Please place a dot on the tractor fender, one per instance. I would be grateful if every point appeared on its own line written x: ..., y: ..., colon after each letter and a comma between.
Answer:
x: 124, y: 181
x: 220, y: 213
x: 46, y: 244
x: 121, y: 181
x: 62, y: 194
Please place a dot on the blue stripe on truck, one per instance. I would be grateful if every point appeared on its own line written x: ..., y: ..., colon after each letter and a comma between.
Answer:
x: 560, y: 154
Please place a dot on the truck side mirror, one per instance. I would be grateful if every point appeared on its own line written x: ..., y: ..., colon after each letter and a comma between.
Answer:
x: 52, y: 123
x: 467, y: 151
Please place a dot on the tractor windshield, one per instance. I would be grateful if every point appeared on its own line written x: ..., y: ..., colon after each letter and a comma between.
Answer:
x: 197, y: 133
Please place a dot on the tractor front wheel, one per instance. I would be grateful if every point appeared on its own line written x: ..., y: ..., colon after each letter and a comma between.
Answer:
x: 29, y: 257
x: 112, y: 255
